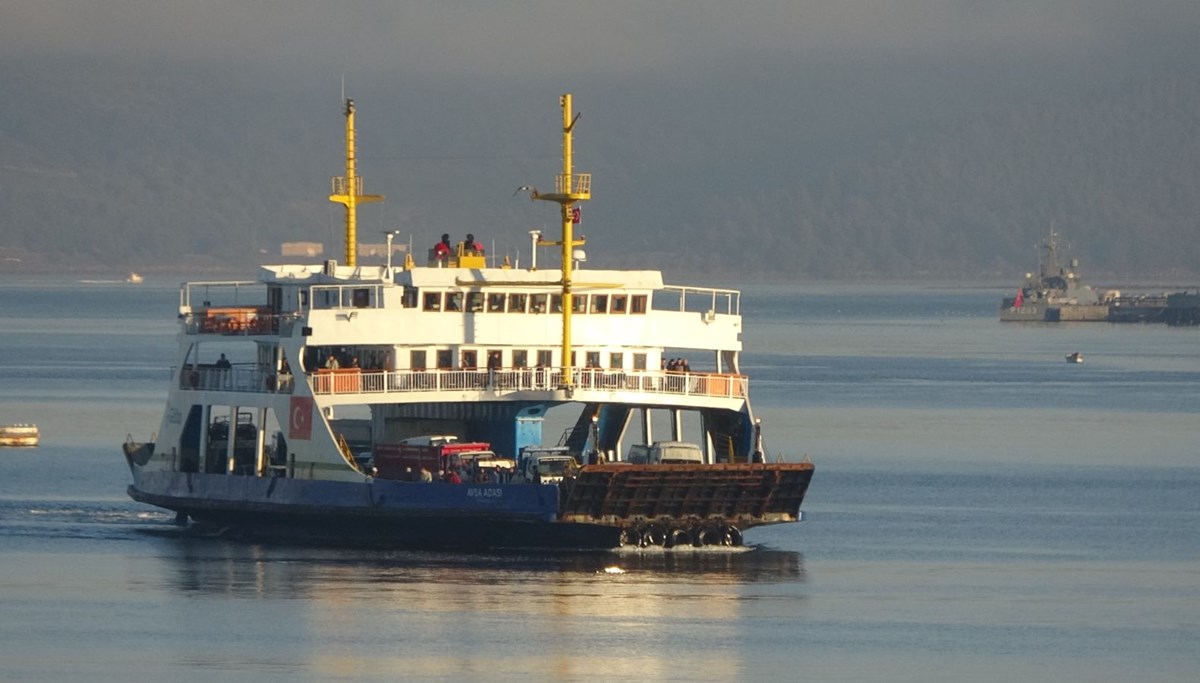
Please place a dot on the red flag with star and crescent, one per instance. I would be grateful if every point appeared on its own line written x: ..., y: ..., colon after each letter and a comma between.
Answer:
x: 300, y: 418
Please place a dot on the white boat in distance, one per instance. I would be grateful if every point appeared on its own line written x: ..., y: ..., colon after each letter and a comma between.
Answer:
x: 406, y: 404
x: 21, y: 435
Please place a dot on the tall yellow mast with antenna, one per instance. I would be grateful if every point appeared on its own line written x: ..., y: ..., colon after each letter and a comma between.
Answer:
x: 347, y: 191
x: 568, y: 188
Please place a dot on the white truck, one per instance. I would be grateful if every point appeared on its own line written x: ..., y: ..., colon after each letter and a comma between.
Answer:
x: 666, y: 453
x: 544, y: 464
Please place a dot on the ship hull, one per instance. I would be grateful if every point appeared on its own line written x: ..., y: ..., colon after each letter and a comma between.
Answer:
x: 605, y: 508
x: 1031, y: 313
x: 402, y: 514
x: 1055, y: 313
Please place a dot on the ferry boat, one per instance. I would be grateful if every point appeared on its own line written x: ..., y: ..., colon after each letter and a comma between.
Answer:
x: 296, y: 399
x: 20, y: 435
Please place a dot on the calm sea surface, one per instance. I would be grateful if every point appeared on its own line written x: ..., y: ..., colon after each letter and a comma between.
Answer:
x: 981, y: 511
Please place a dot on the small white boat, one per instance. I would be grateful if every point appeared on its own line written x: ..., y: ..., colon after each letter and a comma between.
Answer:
x: 1075, y: 357
x: 19, y: 435
x: 134, y: 279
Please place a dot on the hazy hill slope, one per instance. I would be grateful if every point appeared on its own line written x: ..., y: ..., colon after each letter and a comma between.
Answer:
x: 1117, y: 173
x: 124, y: 166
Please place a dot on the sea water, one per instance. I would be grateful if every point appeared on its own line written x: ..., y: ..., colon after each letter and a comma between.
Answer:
x: 982, y: 510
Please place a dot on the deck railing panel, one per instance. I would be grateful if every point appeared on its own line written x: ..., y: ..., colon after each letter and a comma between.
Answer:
x: 498, y: 381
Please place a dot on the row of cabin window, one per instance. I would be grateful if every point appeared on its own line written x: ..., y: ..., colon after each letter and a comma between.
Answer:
x: 496, y: 302
x: 521, y: 358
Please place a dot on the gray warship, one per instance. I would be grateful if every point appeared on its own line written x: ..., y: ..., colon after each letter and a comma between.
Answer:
x: 1055, y: 293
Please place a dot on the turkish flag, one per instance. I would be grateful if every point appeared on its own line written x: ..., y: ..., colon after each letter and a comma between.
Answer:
x: 300, y: 418
x: 1020, y: 298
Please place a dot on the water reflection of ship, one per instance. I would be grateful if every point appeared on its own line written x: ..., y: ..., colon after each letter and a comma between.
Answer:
x: 456, y: 613
x: 210, y: 563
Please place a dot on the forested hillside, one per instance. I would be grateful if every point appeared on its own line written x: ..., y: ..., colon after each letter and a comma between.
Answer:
x: 122, y: 167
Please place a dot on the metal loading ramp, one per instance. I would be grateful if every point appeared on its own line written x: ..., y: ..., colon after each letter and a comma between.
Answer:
x: 745, y: 495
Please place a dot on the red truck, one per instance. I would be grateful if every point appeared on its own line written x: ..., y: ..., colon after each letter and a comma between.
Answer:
x: 404, y: 460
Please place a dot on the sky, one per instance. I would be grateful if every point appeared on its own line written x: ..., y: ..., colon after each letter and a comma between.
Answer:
x: 462, y: 38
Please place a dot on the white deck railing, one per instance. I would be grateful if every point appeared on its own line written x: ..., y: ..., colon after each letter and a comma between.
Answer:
x: 503, y: 381
x: 509, y: 380
x: 252, y: 380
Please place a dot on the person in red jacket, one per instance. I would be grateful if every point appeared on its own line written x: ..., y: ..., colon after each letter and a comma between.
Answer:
x: 442, y: 250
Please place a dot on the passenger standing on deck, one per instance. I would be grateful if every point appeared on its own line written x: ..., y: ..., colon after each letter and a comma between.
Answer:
x: 443, y: 249
x: 223, y: 362
x: 471, y: 247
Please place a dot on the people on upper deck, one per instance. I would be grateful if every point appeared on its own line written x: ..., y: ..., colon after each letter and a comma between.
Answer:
x: 442, y: 250
x: 470, y: 247
x: 677, y: 365
x: 223, y: 362
x: 331, y: 362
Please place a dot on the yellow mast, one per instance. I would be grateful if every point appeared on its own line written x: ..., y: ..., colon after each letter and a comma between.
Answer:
x: 347, y: 190
x: 569, y: 188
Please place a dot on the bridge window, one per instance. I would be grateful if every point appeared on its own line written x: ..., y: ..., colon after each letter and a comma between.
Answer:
x: 599, y: 303
x: 409, y: 298
x: 475, y: 301
x: 433, y: 301
x: 556, y: 303
x: 495, y: 303
x: 620, y: 304
x: 444, y: 359
x: 417, y: 360
x: 638, y: 304
x: 593, y: 359
x: 545, y: 358
x: 469, y: 359
x: 453, y: 301
x: 537, y: 303
x: 639, y: 361
x: 579, y: 303
x: 520, y: 358
x: 360, y: 298
x: 616, y: 361
x: 516, y: 303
